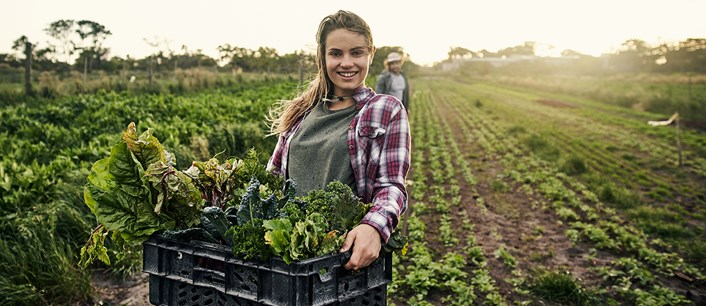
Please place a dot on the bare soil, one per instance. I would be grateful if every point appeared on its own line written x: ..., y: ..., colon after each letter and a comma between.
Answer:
x: 112, y: 291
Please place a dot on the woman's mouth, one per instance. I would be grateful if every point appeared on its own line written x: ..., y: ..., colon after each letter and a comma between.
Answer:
x: 347, y: 74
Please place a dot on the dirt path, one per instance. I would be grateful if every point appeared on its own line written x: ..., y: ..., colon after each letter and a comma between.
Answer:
x: 110, y: 291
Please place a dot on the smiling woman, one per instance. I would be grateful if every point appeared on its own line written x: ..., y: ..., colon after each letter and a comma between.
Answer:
x: 348, y: 57
x: 341, y: 130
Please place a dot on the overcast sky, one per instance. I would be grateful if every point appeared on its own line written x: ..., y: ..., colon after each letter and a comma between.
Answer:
x: 425, y: 29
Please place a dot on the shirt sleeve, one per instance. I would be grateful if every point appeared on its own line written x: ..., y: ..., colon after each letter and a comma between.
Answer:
x: 389, y: 191
x: 274, y: 165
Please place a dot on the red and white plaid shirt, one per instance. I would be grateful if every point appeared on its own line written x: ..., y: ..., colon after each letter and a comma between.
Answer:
x: 379, y: 148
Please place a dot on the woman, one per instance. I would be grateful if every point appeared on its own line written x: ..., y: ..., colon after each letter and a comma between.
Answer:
x: 339, y: 129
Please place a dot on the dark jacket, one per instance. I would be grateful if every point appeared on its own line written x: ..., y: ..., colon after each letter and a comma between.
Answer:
x: 385, y: 82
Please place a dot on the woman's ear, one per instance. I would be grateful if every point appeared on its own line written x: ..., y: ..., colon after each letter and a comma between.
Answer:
x: 372, y: 55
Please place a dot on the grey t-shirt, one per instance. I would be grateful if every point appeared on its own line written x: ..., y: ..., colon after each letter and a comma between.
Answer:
x: 397, y: 86
x: 318, y: 152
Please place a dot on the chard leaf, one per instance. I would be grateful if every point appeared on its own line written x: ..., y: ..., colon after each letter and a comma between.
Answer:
x: 100, y: 175
x: 146, y: 148
x: 124, y: 167
x: 173, y: 186
x: 132, y: 216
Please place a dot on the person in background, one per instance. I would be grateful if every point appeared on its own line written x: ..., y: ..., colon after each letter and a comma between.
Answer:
x: 392, y: 81
x: 339, y: 129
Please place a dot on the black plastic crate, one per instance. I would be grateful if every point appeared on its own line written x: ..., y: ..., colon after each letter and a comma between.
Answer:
x: 200, y: 273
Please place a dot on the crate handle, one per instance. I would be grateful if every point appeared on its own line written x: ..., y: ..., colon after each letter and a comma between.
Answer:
x: 345, y: 256
x: 326, y: 273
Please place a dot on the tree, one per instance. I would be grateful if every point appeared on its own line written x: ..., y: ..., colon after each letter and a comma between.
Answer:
x: 92, y: 35
x: 633, y: 55
x: 63, y: 31
x: 459, y: 52
x: 526, y: 49
x: 266, y: 58
x: 237, y: 57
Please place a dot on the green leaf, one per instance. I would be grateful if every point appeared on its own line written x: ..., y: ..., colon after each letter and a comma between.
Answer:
x: 277, y: 235
x: 95, y: 248
x: 146, y: 148
x: 214, y: 221
x: 100, y: 175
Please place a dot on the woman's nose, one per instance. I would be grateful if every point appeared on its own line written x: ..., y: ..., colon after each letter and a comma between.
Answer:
x: 347, y: 60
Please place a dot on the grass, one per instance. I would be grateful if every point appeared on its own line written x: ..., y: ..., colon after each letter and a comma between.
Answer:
x: 562, y: 288
x: 542, y: 148
x: 574, y: 165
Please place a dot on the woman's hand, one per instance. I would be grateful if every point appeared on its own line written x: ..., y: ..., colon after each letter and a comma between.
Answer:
x: 366, y: 243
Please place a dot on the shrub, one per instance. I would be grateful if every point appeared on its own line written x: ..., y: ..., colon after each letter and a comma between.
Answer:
x: 542, y: 148
x: 560, y: 287
x: 574, y: 165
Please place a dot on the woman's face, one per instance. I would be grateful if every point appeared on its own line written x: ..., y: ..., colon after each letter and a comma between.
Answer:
x: 348, y: 58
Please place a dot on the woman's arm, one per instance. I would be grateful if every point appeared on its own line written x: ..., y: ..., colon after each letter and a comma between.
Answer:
x: 274, y: 165
x: 389, y: 195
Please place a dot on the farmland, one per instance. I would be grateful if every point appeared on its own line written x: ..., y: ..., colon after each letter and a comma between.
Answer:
x: 521, y: 190
x: 520, y: 195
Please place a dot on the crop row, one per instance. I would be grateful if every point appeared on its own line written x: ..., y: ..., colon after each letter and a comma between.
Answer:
x: 621, y: 256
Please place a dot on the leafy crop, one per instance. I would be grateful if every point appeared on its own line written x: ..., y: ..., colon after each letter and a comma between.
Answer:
x: 136, y: 192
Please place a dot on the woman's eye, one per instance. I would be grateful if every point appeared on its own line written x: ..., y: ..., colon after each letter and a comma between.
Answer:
x: 334, y: 53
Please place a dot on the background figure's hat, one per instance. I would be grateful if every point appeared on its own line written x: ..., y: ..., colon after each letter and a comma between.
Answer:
x: 393, y: 56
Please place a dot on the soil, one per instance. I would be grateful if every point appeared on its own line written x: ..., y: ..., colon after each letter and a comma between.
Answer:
x: 111, y: 291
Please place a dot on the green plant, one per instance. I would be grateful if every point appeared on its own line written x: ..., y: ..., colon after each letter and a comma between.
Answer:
x: 561, y: 287
x: 574, y: 165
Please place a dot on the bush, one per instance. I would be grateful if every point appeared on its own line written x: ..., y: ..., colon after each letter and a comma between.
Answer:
x: 618, y: 196
x: 542, y: 148
x: 574, y: 165
x: 560, y: 287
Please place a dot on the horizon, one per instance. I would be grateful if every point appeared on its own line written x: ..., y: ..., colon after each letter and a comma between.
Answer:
x: 592, y: 28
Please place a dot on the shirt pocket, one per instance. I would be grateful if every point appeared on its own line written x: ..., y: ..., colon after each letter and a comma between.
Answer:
x: 371, y: 141
x: 372, y: 132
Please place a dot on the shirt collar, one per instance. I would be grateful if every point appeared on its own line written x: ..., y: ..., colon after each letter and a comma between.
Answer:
x: 362, y: 94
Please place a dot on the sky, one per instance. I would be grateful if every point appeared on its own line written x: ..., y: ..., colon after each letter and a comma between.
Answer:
x: 426, y: 29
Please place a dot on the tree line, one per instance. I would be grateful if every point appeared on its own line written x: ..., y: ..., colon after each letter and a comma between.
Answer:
x: 80, y: 46
x: 634, y: 55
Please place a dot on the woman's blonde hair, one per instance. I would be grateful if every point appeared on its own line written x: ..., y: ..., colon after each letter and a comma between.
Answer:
x: 286, y: 112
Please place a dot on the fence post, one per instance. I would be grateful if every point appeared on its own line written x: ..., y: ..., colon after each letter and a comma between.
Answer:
x: 28, y: 68
x: 678, y: 141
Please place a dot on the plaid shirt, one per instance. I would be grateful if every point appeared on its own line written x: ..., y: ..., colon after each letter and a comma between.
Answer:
x: 379, y: 148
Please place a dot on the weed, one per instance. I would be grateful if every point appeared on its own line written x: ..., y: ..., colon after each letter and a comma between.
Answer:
x: 561, y: 287
x: 542, y: 148
x: 574, y: 165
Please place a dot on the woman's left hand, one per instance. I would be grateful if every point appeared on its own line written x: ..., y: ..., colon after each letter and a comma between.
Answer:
x: 366, y: 243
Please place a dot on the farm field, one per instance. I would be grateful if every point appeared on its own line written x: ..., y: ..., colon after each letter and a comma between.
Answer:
x: 47, y: 147
x: 524, y: 196
x: 518, y: 194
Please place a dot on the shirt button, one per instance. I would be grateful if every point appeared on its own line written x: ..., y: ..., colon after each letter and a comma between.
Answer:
x: 350, y: 127
x: 350, y: 147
